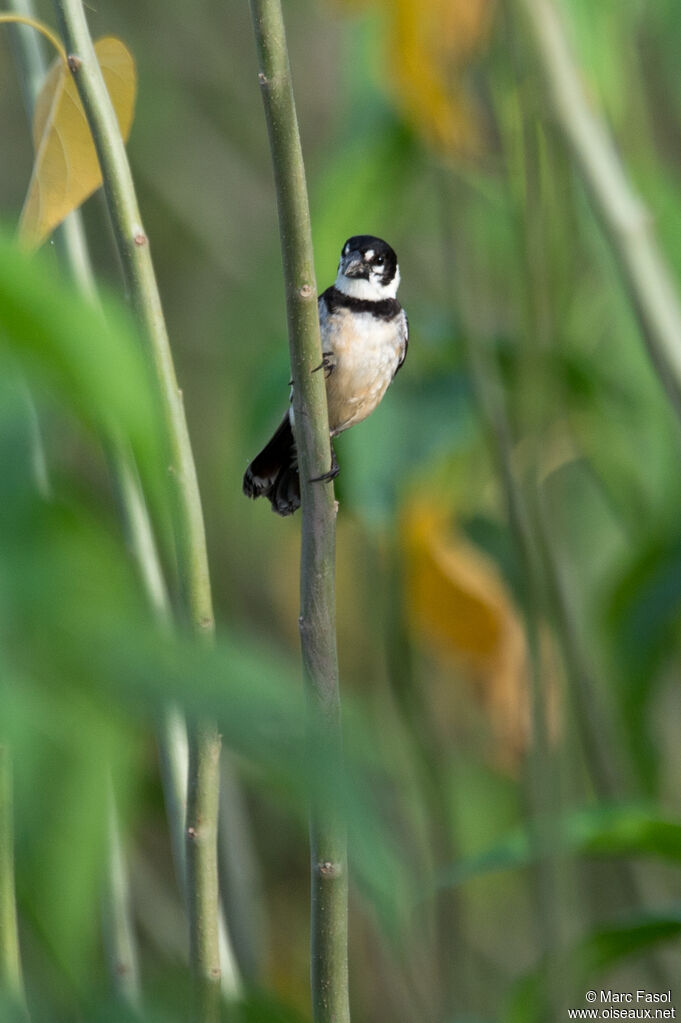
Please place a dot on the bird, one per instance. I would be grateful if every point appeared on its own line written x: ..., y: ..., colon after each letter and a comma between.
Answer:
x: 364, y: 334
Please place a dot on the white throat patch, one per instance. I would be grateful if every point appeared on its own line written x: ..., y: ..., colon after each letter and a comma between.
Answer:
x: 371, y: 290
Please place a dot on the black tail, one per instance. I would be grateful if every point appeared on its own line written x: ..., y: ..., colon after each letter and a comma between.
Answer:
x: 274, y: 472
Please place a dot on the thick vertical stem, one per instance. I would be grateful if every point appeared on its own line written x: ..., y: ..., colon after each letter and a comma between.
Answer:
x: 133, y: 246
x: 11, y: 976
x: 329, y: 883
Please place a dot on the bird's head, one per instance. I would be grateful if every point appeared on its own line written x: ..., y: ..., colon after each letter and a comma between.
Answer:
x: 368, y: 269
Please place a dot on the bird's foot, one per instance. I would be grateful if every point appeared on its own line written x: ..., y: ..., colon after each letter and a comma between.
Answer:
x: 327, y: 364
x: 326, y: 477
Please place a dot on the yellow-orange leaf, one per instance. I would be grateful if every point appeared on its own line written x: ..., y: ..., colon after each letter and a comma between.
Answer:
x: 460, y: 604
x: 66, y: 170
x: 456, y: 594
x: 429, y: 48
x: 432, y: 44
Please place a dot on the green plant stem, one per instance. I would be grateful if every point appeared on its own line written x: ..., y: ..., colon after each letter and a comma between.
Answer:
x: 541, y: 768
x: 240, y: 876
x: 625, y: 220
x: 134, y: 250
x: 28, y: 58
x: 28, y: 55
x: 329, y: 881
x: 609, y: 773
x: 545, y: 585
x: 172, y: 735
x: 118, y: 932
x: 546, y: 593
x: 172, y: 729
x: 594, y: 726
x: 11, y: 976
x: 174, y: 755
x: 448, y: 949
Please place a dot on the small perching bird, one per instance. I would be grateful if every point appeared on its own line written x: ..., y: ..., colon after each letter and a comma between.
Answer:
x: 364, y: 334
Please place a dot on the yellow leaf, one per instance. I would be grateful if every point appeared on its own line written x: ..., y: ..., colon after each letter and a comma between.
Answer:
x: 66, y: 170
x: 429, y: 47
x: 458, y: 601
x: 456, y: 594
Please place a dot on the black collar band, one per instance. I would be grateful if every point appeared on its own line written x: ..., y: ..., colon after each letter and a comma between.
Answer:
x: 382, y: 309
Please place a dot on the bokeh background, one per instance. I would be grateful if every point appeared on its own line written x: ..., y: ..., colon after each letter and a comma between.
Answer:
x: 509, y: 536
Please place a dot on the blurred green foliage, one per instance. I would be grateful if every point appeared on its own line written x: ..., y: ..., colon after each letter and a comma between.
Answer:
x: 499, y: 250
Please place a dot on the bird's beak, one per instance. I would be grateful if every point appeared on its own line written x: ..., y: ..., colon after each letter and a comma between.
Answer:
x: 352, y: 264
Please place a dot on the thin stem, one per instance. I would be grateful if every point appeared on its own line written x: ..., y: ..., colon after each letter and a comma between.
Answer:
x: 28, y: 59
x: 541, y: 768
x: 241, y: 881
x: 11, y: 976
x: 133, y: 246
x: 35, y: 26
x: 545, y: 586
x: 625, y: 220
x: 27, y: 54
x: 539, y: 557
x: 118, y: 930
x: 329, y: 881
x: 173, y: 748
x: 593, y: 724
x: 447, y: 950
x: 172, y: 735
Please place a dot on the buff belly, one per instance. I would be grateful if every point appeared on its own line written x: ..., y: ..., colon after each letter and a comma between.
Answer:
x: 366, y: 353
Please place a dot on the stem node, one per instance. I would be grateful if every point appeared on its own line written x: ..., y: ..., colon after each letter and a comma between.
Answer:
x: 329, y: 871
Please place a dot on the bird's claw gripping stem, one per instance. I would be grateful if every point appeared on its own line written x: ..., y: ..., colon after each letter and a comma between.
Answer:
x: 326, y: 477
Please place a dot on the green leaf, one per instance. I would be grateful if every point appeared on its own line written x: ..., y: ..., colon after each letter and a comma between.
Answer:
x: 68, y: 748
x: 628, y: 830
x: 90, y: 359
x: 644, y: 617
x: 588, y: 957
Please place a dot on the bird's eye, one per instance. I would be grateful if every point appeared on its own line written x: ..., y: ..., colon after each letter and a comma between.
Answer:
x: 379, y: 261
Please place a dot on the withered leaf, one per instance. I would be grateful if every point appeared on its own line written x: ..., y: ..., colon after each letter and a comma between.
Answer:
x: 66, y: 170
